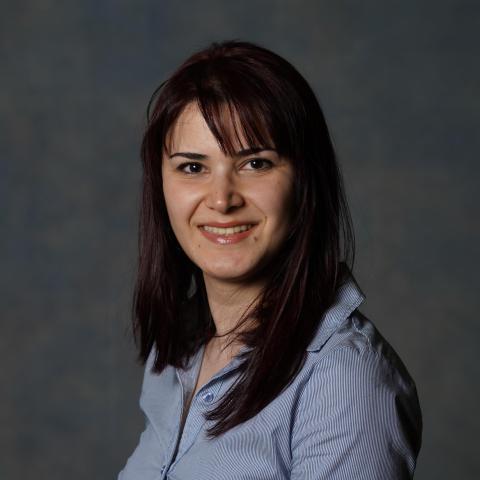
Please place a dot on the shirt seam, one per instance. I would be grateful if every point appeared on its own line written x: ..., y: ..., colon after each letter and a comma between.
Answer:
x: 364, y: 335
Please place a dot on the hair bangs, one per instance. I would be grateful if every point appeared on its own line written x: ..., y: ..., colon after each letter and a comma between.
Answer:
x: 241, y: 108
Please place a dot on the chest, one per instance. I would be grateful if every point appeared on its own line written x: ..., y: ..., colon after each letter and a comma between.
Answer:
x: 207, y: 370
x: 182, y: 447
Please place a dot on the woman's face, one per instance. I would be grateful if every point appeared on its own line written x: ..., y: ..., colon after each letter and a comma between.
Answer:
x: 205, y: 189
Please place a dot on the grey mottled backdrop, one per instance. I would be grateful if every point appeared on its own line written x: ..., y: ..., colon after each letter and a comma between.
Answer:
x: 399, y: 83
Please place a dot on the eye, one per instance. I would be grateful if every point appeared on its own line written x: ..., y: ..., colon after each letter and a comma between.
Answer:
x: 260, y: 164
x: 194, y: 166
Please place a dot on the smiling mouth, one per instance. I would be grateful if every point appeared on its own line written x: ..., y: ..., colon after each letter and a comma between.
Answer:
x: 228, y: 230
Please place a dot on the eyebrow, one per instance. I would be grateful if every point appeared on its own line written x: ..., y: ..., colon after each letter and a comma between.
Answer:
x: 240, y: 153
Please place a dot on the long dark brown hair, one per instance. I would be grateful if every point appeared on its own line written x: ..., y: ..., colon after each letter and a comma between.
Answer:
x: 275, y: 104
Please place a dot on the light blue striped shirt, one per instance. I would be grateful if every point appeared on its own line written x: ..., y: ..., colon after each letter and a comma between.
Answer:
x: 351, y: 413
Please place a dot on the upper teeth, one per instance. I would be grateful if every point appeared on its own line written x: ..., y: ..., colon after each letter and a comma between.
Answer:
x: 227, y: 231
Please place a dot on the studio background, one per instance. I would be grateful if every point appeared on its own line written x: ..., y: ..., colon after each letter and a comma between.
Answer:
x: 399, y: 85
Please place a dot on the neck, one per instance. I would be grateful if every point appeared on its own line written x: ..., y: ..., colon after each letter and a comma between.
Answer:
x: 228, y: 302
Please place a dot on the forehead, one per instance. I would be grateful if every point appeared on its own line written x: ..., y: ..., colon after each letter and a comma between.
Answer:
x: 191, y: 130
x: 190, y: 126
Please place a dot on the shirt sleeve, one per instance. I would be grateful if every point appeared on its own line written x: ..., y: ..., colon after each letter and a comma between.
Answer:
x: 358, y: 417
x: 144, y: 463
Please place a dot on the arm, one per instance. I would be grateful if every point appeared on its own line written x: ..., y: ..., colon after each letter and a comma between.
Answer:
x: 358, y: 417
x: 145, y: 461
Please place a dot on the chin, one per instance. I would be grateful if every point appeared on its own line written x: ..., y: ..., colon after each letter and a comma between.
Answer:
x: 228, y: 272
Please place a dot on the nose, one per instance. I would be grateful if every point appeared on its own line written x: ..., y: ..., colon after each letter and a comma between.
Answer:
x: 223, y: 193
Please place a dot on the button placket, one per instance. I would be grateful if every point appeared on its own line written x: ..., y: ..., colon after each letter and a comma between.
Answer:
x: 208, y: 397
x: 195, y: 418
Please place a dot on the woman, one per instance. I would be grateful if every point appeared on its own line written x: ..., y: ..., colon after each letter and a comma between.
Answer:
x: 258, y: 363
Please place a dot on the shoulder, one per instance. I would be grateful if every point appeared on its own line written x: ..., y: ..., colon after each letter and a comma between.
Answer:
x: 347, y: 342
x: 357, y: 365
x: 357, y: 345
x: 359, y: 397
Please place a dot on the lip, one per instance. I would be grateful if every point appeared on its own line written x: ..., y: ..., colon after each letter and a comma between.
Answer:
x: 226, y: 239
x: 226, y: 225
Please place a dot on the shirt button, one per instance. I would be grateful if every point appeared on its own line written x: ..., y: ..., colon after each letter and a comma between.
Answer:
x: 208, y: 397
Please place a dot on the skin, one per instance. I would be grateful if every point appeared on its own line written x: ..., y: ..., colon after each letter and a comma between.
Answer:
x: 220, y: 188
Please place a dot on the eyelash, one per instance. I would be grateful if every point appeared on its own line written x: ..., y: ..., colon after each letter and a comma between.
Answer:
x: 186, y: 164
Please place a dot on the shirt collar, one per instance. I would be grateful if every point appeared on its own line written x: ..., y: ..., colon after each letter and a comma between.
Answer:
x: 347, y: 298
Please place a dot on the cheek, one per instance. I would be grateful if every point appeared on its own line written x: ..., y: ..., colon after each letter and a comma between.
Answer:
x: 169, y: 201
x: 278, y: 200
x: 180, y: 203
x: 174, y: 205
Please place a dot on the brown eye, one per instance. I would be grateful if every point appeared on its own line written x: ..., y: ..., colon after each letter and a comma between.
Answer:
x: 260, y: 163
x: 194, y: 168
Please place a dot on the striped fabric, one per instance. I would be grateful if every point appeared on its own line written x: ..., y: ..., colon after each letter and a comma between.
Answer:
x: 352, y: 413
